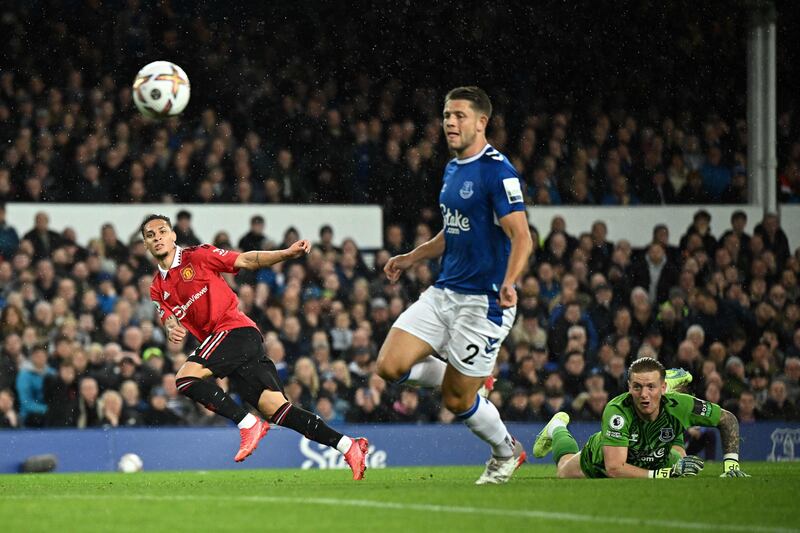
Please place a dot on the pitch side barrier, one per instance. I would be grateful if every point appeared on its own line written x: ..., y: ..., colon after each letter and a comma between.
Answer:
x: 362, y: 223
x: 636, y: 223
x: 92, y: 450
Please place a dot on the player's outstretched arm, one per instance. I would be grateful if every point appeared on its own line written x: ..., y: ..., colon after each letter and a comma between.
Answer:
x: 615, y: 458
x: 256, y: 259
x: 729, y: 435
x: 427, y: 250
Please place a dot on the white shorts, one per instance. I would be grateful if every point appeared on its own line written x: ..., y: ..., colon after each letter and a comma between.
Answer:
x: 464, y: 329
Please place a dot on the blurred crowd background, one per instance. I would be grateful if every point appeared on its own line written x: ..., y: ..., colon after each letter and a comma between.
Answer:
x: 82, y: 345
x: 298, y: 105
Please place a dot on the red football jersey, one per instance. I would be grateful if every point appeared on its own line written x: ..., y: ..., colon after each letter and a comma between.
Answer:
x: 194, y: 292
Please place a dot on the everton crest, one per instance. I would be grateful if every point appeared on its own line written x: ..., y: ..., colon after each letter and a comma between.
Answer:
x: 467, y: 190
x: 666, y: 435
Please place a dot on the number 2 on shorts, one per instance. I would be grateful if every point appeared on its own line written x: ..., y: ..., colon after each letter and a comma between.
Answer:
x: 469, y: 359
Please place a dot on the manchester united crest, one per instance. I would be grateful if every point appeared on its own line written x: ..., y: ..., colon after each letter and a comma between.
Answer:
x: 187, y: 273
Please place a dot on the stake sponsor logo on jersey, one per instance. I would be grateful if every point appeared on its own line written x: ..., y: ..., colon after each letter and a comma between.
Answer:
x: 454, y: 222
x: 646, y: 456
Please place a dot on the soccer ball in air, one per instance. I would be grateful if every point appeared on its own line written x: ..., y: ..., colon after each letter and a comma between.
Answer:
x: 161, y: 89
x: 130, y: 463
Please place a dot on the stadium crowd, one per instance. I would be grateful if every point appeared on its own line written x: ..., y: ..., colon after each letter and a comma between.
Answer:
x: 266, y: 128
x: 341, y: 120
x: 81, y: 345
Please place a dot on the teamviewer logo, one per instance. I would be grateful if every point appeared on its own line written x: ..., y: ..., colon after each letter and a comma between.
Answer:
x: 784, y: 445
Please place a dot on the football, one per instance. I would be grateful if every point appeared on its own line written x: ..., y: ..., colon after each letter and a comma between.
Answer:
x: 130, y: 463
x: 161, y: 90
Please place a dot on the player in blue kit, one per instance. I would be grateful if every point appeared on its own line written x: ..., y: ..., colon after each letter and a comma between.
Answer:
x: 464, y: 317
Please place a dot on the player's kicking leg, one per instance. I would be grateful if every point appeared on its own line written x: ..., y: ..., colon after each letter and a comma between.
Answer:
x: 193, y: 380
x: 280, y: 411
x: 259, y: 384
x: 460, y: 396
x: 556, y: 437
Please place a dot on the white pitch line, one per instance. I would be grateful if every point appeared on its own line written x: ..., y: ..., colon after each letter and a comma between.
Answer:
x: 424, y: 507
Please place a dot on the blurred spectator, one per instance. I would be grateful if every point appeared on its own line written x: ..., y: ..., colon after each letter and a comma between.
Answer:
x: 184, y: 231
x: 325, y: 409
x: 176, y: 402
x: 30, y: 388
x: 745, y: 408
x: 256, y: 238
x: 305, y: 373
x: 9, y: 240
x: 111, y: 409
x: 89, y: 407
x: 655, y: 273
x: 8, y: 417
x: 736, y: 191
x: 589, y: 405
x: 157, y: 413
x: 12, y: 321
x: 701, y: 226
x: 43, y: 239
x: 367, y: 408
x: 61, y: 396
x: 407, y: 407
x: 716, y: 176
x: 774, y: 238
x: 791, y: 376
x: 517, y: 407
x: 132, y: 405
x: 778, y: 406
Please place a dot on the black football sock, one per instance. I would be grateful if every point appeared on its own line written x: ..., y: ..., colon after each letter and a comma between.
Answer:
x: 307, y: 424
x: 212, y: 397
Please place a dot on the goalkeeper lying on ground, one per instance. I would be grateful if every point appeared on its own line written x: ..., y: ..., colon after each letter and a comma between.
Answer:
x: 642, y: 433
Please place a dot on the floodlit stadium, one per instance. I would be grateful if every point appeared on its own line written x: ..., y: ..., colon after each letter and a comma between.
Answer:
x: 356, y: 267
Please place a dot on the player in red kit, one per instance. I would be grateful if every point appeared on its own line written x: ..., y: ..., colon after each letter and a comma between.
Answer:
x: 191, y: 296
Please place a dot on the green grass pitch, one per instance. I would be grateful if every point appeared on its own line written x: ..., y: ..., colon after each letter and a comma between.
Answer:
x: 398, y: 499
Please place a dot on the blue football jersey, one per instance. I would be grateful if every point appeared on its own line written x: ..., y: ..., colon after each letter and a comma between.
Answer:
x: 477, y: 192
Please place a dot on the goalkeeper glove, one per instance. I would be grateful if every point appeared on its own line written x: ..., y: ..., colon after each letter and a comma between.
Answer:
x: 730, y: 468
x: 691, y: 465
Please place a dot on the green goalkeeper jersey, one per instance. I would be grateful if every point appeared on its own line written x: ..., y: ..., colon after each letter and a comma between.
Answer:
x: 649, y: 443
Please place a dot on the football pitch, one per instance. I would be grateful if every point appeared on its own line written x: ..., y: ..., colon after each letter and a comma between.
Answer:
x: 399, y: 499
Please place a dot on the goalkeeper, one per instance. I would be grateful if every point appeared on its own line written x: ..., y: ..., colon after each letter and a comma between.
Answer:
x: 642, y: 433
